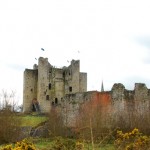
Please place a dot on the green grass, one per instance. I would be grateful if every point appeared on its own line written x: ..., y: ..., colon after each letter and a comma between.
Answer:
x: 107, y: 147
x: 96, y: 147
x: 30, y: 120
x: 43, y: 144
x: 46, y: 143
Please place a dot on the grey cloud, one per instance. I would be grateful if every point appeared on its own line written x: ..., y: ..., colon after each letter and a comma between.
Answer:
x: 144, y: 41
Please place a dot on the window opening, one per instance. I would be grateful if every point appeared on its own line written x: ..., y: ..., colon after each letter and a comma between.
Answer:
x: 56, y: 100
x: 49, y: 86
x: 35, y: 105
x: 52, y: 103
x: 47, y: 97
x: 63, y: 74
x: 70, y: 89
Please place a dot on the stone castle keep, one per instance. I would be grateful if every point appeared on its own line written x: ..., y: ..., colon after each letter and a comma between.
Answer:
x: 49, y: 85
x: 67, y: 87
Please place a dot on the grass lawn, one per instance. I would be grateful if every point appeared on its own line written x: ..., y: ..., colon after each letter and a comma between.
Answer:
x: 43, y: 144
x: 105, y: 147
x: 46, y: 144
x: 31, y: 120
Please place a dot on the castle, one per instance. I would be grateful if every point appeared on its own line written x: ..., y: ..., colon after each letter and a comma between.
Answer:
x: 66, y: 87
x: 49, y: 84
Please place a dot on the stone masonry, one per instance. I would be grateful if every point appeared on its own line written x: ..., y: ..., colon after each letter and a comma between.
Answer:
x: 66, y: 88
x: 49, y: 84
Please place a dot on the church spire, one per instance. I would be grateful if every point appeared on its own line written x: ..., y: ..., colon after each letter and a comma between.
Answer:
x: 102, y: 87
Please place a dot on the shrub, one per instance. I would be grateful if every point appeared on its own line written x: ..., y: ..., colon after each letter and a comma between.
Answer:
x: 7, y: 147
x: 9, y: 126
x: 22, y: 145
x: 55, y: 123
x: 133, y: 140
x: 79, y: 146
x: 63, y: 144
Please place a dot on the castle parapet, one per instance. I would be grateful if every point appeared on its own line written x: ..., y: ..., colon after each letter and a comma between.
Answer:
x: 140, y: 91
x: 35, y: 67
x: 117, y: 91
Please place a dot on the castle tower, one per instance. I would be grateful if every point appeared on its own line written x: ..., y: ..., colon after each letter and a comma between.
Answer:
x: 71, y: 77
x: 57, y: 88
x: 29, y: 88
x: 43, y: 83
x: 83, y: 82
x: 49, y: 84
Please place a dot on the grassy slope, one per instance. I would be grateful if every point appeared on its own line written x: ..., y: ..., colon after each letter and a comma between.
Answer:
x: 33, y: 120
x: 43, y: 144
x: 30, y: 120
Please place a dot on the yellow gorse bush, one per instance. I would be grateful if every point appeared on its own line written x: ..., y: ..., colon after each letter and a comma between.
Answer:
x: 79, y: 146
x: 22, y: 145
x: 7, y: 147
x: 133, y: 140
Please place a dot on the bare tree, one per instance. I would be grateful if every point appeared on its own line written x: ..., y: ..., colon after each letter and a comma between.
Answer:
x: 86, y: 121
x: 93, y: 121
x: 9, y: 121
x: 8, y: 100
x: 55, y: 123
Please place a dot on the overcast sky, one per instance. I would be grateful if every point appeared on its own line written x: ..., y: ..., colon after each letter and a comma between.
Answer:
x: 110, y: 37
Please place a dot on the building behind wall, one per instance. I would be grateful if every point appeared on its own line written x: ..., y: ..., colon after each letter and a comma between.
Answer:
x: 50, y: 84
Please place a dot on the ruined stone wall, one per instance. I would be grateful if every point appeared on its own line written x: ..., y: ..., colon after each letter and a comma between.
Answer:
x: 142, y: 98
x: 124, y: 100
x: 72, y: 78
x: 118, y: 97
x: 67, y: 75
x: 118, y: 106
x: 43, y: 80
x: 75, y: 75
x: 72, y: 103
x: 59, y: 86
x: 83, y: 82
x: 29, y: 88
x: 132, y: 107
x: 51, y: 84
